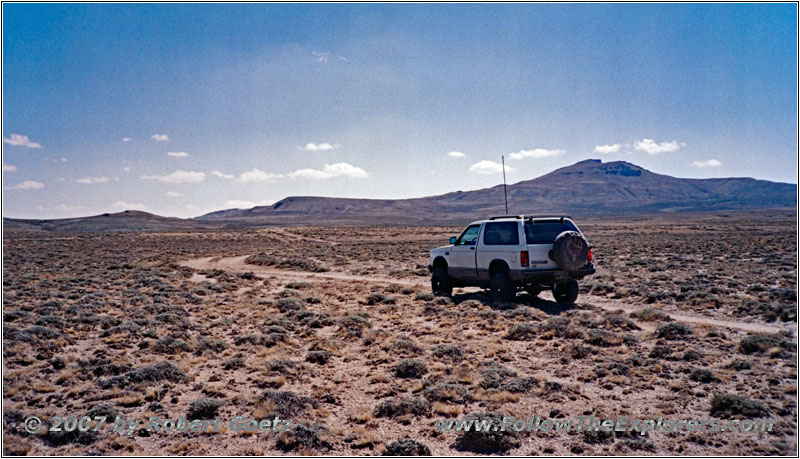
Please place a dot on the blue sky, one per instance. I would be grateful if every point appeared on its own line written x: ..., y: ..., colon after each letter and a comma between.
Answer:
x: 184, y: 109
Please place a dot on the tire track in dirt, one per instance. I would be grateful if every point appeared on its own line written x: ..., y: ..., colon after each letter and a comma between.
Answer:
x: 238, y: 265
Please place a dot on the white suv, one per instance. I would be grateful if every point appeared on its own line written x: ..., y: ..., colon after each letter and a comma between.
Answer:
x: 512, y: 252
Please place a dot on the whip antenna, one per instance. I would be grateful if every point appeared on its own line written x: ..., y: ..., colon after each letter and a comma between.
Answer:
x: 505, y: 193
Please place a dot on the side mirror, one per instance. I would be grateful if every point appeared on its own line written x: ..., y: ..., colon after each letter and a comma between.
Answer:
x: 453, y: 240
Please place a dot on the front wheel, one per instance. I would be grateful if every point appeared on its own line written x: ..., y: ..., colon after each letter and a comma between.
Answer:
x: 566, y: 293
x: 441, y: 283
x: 502, y: 287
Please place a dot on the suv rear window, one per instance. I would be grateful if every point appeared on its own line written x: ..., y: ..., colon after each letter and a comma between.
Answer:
x: 545, y: 231
x: 501, y: 233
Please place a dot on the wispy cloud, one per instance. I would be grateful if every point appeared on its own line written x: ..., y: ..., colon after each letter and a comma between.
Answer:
x: 160, y: 137
x: 651, y: 147
x: 535, y: 153
x: 19, y: 140
x: 257, y: 175
x: 126, y: 139
x: 709, y: 163
x: 486, y: 167
x: 126, y: 169
x: 456, y: 154
x: 173, y: 194
x: 119, y: 206
x: 62, y: 208
x: 318, y: 147
x: 178, y: 154
x: 329, y: 171
x: 28, y: 185
x: 240, y: 204
x: 221, y: 175
x: 607, y: 149
x: 90, y: 180
x: 177, y: 177
x: 9, y: 168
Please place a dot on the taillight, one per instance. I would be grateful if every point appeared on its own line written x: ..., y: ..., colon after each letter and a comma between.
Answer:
x: 590, y: 255
x: 523, y: 258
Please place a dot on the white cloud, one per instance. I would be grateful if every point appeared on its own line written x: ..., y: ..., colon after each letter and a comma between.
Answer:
x: 256, y: 175
x: 9, y: 168
x: 126, y: 169
x: 456, y: 154
x: 178, y: 154
x: 489, y: 168
x: 160, y: 137
x: 318, y: 147
x: 177, y: 177
x: 90, y: 180
x: 535, y: 153
x: 221, y: 175
x: 119, y: 206
x: 330, y: 171
x: 28, y: 185
x: 19, y: 140
x: 709, y: 163
x: 173, y: 194
x: 321, y: 57
x: 650, y: 146
x: 126, y: 139
x: 239, y: 204
x: 607, y: 149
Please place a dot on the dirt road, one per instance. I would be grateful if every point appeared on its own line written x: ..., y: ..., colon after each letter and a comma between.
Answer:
x: 238, y: 265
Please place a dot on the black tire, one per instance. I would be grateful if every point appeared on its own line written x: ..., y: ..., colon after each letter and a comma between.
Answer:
x: 567, y: 292
x: 570, y: 250
x: 502, y: 287
x: 440, y: 282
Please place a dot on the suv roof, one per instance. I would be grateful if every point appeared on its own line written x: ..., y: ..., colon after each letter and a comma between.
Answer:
x: 523, y: 217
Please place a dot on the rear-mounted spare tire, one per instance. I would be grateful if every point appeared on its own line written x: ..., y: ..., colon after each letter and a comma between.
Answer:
x: 570, y: 250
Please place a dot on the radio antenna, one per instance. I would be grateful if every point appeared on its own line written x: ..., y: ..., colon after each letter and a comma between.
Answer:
x: 505, y: 192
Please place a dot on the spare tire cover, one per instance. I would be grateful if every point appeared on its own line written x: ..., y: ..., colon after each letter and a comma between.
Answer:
x: 570, y: 250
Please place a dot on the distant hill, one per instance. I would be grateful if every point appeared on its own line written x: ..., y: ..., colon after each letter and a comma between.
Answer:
x: 589, y: 188
x: 129, y: 220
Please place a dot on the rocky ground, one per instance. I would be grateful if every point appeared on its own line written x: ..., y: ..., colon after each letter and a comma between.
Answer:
x: 336, y: 330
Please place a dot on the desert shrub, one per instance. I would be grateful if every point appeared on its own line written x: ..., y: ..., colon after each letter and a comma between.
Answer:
x: 378, y: 298
x: 407, y: 346
x: 406, y: 447
x: 289, y: 304
x: 576, y: 351
x: 233, y: 363
x: 702, y: 375
x: 602, y: 338
x: 295, y: 263
x: 673, y: 331
x: 519, y: 385
x: 660, y: 351
x: 423, y: 296
x: 204, y: 408
x: 445, y: 392
x: 760, y: 343
x: 161, y: 371
x: 619, y: 321
x: 304, y: 439
x: 171, y: 345
x: 410, y: 368
x: 495, y: 375
x: 559, y: 326
x: 597, y: 436
x: 488, y: 441
x: 210, y: 344
x: 318, y: 357
x: 727, y: 405
x: 297, y: 285
x: 286, y: 404
x: 354, y: 324
x: 283, y: 367
x: 522, y: 332
x: 402, y: 406
x: 651, y: 315
x: 449, y: 352
x: 102, y: 409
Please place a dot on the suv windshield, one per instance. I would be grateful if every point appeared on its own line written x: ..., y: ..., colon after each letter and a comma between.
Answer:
x: 545, y: 231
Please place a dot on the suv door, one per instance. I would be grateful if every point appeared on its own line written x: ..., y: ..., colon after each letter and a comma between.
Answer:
x: 501, y: 240
x: 462, y: 255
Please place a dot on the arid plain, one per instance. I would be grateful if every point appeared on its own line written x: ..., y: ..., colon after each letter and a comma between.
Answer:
x: 689, y: 317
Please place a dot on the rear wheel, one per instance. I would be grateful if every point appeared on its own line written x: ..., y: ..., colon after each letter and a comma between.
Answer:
x: 502, y: 287
x: 567, y: 292
x: 440, y: 282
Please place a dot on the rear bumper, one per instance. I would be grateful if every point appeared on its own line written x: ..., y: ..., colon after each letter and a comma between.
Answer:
x: 550, y: 275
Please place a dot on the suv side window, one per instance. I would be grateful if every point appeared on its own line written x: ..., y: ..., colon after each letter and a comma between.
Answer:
x: 545, y: 231
x: 501, y: 233
x: 469, y: 236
